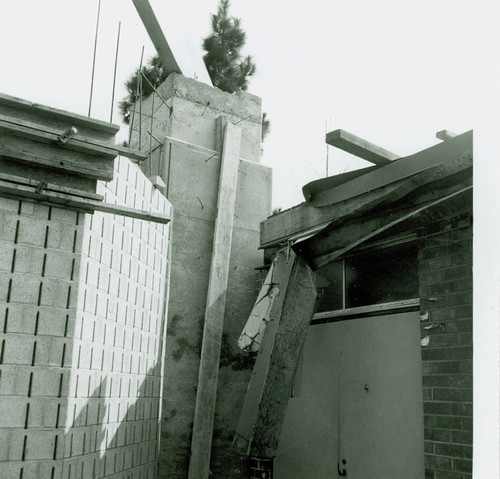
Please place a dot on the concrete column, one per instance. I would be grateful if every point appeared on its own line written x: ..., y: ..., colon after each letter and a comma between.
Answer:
x: 188, y: 158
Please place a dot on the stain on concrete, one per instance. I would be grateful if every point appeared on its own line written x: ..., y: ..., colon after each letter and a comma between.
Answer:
x: 183, y: 346
x: 237, y: 361
x: 173, y: 323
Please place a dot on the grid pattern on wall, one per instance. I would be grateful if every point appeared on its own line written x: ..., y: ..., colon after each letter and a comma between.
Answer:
x: 82, y: 310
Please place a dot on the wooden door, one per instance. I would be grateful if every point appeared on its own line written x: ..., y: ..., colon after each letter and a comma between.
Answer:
x: 360, y: 400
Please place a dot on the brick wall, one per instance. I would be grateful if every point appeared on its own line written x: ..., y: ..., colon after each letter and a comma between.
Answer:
x: 82, y: 321
x: 445, y: 274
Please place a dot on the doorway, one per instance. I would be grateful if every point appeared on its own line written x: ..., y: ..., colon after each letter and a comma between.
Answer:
x: 357, y: 410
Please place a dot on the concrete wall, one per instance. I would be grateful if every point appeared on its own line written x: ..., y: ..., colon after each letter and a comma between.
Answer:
x: 187, y: 157
x: 445, y: 274
x: 82, y: 317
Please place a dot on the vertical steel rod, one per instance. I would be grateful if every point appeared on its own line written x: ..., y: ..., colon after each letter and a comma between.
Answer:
x: 95, y: 51
x: 151, y: 133
x: 140, y: 104
x: 135, y: 99
x: 114, y: 74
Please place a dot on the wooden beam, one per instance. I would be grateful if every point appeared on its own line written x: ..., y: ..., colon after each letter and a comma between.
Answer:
x: 20, y: 180
x: 49, y: 135
x: 361, y: 148
x: 44, y: 155
x: 26, y: 109
x: 445, y: 135
x: 385, y: 185
x: 260, y: 425
x: 199, y: 465
x: 87, y: 205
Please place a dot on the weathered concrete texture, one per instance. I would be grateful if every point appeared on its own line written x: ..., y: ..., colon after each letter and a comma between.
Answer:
x: 192, y: 110
x: 190, y: 166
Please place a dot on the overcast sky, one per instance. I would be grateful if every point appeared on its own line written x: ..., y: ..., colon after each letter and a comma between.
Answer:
x: 391, y: 71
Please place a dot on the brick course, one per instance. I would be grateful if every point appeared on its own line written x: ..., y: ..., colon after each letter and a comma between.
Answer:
x: 445, y: 275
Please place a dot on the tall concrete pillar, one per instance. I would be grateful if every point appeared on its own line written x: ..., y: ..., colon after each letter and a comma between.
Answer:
x: 178, y: 126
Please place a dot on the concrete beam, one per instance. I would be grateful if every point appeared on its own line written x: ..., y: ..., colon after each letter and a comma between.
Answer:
x: 383, y: 185
x: 445, y: 135
x: 172, y: 60
x: 201, y: 445
x: 357, y: 146
x: 271, y: 384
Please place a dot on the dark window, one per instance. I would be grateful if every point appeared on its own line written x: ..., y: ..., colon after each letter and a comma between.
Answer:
x: 372, y: 277
x: 381, y: 276
x: 329, y: 280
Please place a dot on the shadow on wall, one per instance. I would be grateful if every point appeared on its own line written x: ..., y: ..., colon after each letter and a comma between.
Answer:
x: 113, y: 434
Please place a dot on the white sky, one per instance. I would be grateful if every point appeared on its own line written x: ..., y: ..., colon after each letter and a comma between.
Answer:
x: 391, y: 71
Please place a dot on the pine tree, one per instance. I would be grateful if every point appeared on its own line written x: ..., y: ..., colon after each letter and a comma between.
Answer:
x: 227, y: 70
x: 153, y: 74
x: 225, y: 65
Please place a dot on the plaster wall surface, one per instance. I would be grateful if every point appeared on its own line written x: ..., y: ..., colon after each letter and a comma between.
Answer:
x: 82, y: 314
x: 187, y: 157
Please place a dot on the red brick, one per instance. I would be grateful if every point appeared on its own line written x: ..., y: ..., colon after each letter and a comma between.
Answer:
x: 461, y: 325
x: 447, y: 394
x: 445, y: 367
x: 463, y: 380
x: 461, y: 259
x: 434, y: 353
x: 458, y: 298
x: 439, y: 263
x: 463, y: 465
x: 429, y: 447
x: 467, y: 423
x: 460, y: 353
x: 431, y: 407
x: 437, y: 289
x: 465, y: 339
x: 462, y: 437
x: 466, y: 394
x: 448, y: 339
x: 440, y: 474
x: 431, y: 277
x: 461, y: 409
x: 437, y: 380
x: 465, y: 233
x: 457, y: 272
x: 467, y: 451
x: 451, y: 450
x: 438, y: 461
x: 439, y: 435
x: 443, y: 422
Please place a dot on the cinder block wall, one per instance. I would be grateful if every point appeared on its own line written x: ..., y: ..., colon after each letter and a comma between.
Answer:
x: 185, y: 152
x: 82, y: 317
x: 40, y: 249
x: 445, y: 273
